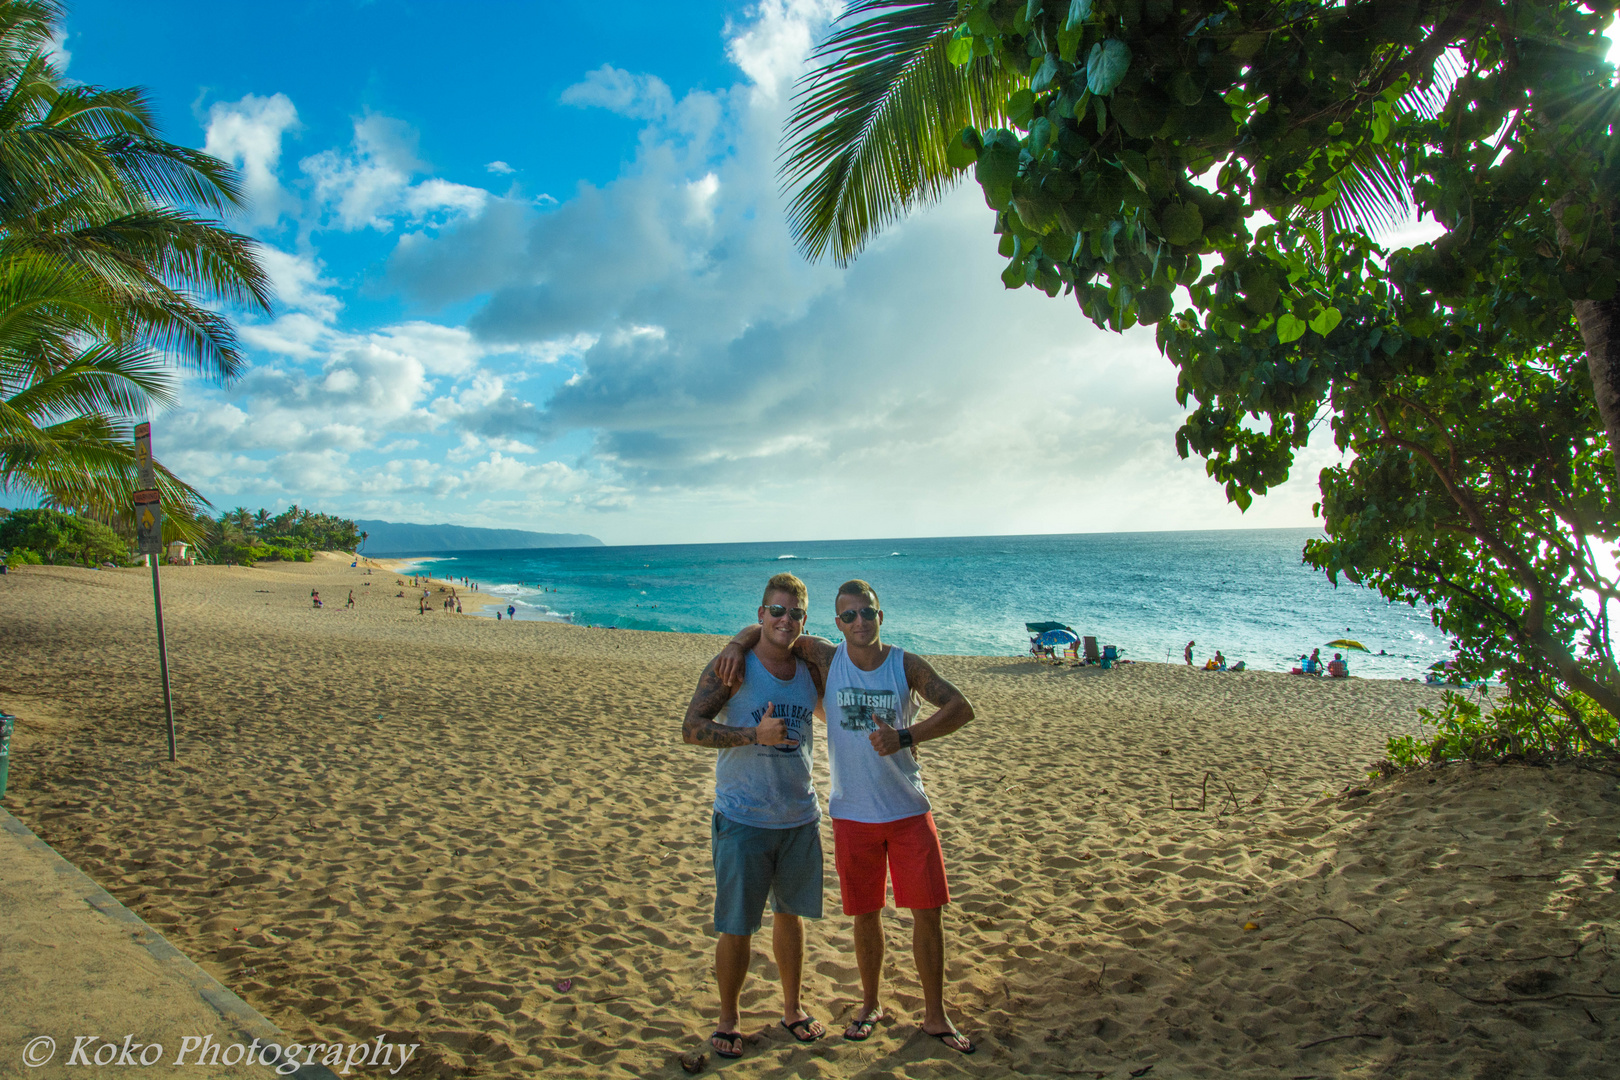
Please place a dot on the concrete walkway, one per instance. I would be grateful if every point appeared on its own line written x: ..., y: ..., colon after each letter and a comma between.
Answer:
x: 75, y: 963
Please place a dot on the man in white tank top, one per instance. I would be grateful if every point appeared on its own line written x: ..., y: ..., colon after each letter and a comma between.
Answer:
x: 883, y: 825
x: 765, y: 834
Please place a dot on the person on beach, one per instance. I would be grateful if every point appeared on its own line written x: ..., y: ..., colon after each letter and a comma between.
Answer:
x: 1188, y: 652
x: 350, y: 604
x: 765, y: 834
x: 883, y: 823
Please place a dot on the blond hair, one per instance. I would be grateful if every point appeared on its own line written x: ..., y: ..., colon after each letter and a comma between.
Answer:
x: 788, y: 583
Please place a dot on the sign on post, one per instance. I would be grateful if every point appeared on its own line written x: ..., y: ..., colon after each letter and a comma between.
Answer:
x: 148, y: 522
x: 149, y: 537
x: 143, y: 456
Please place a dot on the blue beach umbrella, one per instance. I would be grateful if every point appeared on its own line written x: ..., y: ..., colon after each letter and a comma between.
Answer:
x: 1054, y: 638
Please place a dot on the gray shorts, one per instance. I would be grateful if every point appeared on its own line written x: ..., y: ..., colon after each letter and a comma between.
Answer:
x: 751, y: 863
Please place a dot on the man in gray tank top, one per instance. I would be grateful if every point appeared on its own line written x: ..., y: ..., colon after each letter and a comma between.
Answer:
x: 766, y: 829
x: 883, y: 824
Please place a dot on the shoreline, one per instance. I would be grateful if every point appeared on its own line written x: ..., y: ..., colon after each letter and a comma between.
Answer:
x: 490, y: 840
x: 566, y: 619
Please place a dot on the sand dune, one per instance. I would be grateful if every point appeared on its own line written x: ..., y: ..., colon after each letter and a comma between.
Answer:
x: 489, y: 839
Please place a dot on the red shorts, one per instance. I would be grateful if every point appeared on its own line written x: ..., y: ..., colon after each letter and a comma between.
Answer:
x: 907, y: 849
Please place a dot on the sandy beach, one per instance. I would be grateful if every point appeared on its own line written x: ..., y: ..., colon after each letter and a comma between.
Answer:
x: 488, y: 838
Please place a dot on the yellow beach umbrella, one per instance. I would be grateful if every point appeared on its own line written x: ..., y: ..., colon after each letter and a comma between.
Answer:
x: 1346, y: 643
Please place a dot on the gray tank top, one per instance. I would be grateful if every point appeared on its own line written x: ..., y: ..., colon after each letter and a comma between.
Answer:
x: 866, y: 787
x: 769, y: 787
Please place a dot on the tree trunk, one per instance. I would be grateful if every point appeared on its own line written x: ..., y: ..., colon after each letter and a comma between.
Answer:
x: 1599, y: 321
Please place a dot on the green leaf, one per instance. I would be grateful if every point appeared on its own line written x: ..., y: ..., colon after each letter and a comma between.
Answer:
x: 1186, y: 88
x: 1013, y: 276
x: 1021, y: 106
x: 960, y: 48
x: 1182, y: 223
x: 963, y: 150
x: 1107, y: 65
x: 1032, y: 9
x: 1153, y: 304
x: 1044, y: 76
x: 1325, y: 321
x: 1289, y: 328
x: 1079, y: 12
x: 1040, y: 136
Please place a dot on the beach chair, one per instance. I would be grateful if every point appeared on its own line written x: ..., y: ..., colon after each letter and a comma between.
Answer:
x: 1093, y: 654
x: 1072, y: 652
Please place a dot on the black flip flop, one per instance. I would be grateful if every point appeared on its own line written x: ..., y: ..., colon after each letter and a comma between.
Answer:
x: 868, y: 1025
x: 953, y: 1033
x: 728, y: 1036
x: 793, y: 1029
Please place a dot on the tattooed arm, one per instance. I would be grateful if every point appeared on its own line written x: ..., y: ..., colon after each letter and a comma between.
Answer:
x: 952, y: 710
x: 699, y: 728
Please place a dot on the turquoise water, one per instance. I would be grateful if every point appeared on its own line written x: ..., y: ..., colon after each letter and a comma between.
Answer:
x: 1243, y: 592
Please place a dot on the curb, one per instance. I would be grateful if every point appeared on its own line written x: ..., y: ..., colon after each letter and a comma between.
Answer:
x: 236, y: 1012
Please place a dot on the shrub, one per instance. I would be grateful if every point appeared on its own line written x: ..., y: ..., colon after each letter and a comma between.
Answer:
x: 1530, y: 722
x: 24, y: 557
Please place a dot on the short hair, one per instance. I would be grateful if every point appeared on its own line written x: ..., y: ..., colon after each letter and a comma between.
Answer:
x: 857, y: 587
x: 788, y: 583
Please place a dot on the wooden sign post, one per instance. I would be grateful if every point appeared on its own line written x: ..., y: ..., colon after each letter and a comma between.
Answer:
x: 149, y: 537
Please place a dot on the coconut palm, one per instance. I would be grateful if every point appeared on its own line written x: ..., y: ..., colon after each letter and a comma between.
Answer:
x: 867, y: 138
x: 95, y: 205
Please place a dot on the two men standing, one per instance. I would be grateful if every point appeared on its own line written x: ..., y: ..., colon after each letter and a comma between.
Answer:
x: 883, y: 826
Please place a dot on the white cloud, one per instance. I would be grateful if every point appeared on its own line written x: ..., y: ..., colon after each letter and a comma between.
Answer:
x: 56, y: 51
x: 370, y: 185
x: 689, y: 374
x: 247, y: 133
x: 500, y: 168
x: 643, y: 97
x: 298, y: 283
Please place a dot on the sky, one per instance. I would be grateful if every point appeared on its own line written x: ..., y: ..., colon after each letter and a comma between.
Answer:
x: 533, y: 272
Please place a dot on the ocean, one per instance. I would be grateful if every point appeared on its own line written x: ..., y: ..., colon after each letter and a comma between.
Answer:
x: 1245, y: 592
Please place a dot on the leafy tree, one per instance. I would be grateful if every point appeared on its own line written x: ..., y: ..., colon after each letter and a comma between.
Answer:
x: 1233, y: 158
x: 111, y: 275
x: 61, y: 538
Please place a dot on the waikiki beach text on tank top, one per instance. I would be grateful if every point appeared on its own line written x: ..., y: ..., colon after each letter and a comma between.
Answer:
x: 769, y: 787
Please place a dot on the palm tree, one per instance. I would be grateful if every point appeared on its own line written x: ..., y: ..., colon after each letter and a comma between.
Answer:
x: 868, y: 136
x: 96, y: 206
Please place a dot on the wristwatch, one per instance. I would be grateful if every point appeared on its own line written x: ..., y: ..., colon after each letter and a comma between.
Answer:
x: 905, y: 737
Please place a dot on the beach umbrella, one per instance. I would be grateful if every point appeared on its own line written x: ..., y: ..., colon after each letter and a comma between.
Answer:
x: 1058, y: 637
x: 1346, y: 643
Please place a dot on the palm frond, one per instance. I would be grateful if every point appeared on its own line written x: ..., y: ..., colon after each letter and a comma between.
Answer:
x: 867, y: 137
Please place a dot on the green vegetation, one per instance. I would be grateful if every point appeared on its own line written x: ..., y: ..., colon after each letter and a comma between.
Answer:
x: 50, y: 536
x: 244, y: 537
x: 112, y: 272
x: 1525, y: 725
x: 1219, y: 169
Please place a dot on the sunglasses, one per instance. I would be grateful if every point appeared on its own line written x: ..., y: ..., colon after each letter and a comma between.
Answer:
x: 870, y: 614
x: 777, y: 611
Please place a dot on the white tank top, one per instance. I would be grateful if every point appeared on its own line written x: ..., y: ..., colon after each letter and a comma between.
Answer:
x: 866, y: 786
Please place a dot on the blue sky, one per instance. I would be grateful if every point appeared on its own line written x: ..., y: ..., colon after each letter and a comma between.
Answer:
x: 533, y: 273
